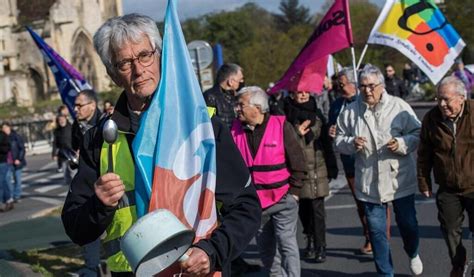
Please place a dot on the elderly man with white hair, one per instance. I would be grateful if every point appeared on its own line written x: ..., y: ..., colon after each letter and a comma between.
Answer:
x: 447, y: 148
x: 271, y: 151
x: 383, y: 132
x: 101, y: 202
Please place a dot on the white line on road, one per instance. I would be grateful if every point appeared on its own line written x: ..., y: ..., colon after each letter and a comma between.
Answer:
x: 48, y: 200
x: 63, y: 194
x: 48, y: 165
x: 41, y: 181
x: 351, y: 206
x: 47, y: 188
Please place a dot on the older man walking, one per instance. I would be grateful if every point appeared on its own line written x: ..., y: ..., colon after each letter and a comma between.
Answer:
x: 270, y: 149
x: 447, y: 148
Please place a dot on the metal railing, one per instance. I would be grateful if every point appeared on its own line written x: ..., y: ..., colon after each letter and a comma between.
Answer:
x: 38, y: 135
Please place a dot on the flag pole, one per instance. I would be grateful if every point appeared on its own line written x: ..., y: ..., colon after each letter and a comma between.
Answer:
x: 354, y: 65
x: 362, y: 55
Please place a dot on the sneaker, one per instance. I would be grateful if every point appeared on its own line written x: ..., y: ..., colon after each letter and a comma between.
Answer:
x: 416, y: 266
x: 17, y: 200
x: 366, y: 249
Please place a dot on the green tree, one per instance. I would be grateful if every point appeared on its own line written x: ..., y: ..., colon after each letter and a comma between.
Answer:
x: 268, y: 56
x: 291, y: 14
x: 459, y: 14
x: 234, y: 30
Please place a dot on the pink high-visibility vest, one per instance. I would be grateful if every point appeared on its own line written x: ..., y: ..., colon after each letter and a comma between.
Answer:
x: 268, y: 168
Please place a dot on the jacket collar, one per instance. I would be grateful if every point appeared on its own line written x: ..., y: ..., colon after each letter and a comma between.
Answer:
x: 438, y: 115
x: 121, y: 115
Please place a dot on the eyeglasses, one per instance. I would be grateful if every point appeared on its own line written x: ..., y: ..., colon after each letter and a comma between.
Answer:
x: 371, y: 87
x: 144, y: 58
x: 79, y: 106
x: 447, y: 101
x: 241, y: 106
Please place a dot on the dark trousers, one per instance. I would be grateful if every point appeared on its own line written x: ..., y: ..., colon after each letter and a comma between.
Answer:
x: 451, y: 207
x: 313, y: 217
x: 361, y: 212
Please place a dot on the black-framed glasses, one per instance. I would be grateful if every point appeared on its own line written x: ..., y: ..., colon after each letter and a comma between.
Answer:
x: 145, y: 58
x: 371, y: 87
x: 79, y: 106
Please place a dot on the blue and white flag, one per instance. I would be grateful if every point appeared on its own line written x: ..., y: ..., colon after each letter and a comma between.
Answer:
x: 175, y: 150
x: 68, y: 79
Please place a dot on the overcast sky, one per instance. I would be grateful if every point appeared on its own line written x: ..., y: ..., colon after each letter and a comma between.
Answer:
x: 195, y: 8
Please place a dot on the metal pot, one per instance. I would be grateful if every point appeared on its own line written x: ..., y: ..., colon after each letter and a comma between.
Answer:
x: 155, y: 242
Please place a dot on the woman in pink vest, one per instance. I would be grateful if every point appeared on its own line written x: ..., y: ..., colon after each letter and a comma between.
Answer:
x: 270, y: 149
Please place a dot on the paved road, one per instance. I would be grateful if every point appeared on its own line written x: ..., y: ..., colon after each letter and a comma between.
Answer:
x: 43, y: 189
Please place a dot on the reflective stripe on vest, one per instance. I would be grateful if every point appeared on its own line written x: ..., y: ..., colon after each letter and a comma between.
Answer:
x: 268, y: 168
x: 125, y: 215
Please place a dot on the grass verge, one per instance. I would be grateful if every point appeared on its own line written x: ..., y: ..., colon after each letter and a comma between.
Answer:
x: 58, y: 261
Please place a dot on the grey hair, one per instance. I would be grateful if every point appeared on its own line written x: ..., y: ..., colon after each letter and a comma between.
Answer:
x: 371, y: 70
x: 459, y: 86
x: 118, y: 30
x: 349, y: 73
x: 258, y: 97
x: 227, y: 70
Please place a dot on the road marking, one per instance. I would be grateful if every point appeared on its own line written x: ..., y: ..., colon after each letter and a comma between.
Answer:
x: 33, y: 176
x: 63, y: 194
x: 48, y: 165
x: 43, y: 180
x: 48, y: 200
x: 41, y: 175
x: 47, y: 188
x: 351, y: 206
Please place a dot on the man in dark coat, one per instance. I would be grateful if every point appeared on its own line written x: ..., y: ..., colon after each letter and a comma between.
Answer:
x: 229, y: 80
x: 394, y: 85
x: 17, y: 145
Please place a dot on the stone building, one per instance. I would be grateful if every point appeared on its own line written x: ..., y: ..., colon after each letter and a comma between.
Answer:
x: 67, y: 26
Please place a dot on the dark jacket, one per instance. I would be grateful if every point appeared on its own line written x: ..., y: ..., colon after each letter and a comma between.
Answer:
x: 79, y: 129
x: 450, y: 157
x: 18, y: 149
x: 396, y: 87
x: 4, y: 147
x: 62, y: 138
x: 294, y: 156
x: 348, y: 161
x: 223, y: 101
x: 85, y: 217
x: 321, y: 163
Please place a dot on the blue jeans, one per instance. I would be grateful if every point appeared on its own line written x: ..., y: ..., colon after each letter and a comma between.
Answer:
x: 5, y: 182
x: 16, y: 190
x: 405, y: 216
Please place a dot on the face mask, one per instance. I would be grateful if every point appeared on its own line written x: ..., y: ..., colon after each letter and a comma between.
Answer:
x: 241, y: 85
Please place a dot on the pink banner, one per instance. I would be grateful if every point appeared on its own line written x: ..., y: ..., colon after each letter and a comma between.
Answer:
x: 333, y: 34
